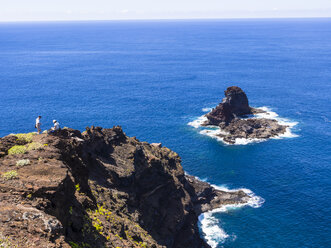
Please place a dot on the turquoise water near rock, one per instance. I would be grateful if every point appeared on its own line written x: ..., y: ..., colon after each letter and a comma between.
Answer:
x: 154, y: 77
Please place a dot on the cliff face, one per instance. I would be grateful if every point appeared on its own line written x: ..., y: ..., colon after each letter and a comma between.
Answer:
x: 99, y: 188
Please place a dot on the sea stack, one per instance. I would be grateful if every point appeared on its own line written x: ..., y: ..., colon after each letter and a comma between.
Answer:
x: 234, y: 104
x: 232, y: 115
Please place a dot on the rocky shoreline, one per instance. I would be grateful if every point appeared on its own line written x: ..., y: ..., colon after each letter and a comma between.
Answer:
x: 236, y: 119
x: 100, y: 188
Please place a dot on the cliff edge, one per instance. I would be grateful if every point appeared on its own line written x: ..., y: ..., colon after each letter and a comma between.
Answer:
x: 99, y: 188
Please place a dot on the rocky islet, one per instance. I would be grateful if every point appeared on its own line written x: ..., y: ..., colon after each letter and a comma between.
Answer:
x: 236, y: 119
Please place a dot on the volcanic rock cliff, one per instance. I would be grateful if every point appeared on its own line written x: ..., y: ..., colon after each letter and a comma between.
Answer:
x: 99, y: 188
x: 234, y: 116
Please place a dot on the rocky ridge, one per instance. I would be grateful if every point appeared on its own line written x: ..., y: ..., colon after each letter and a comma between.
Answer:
x: 233, y: 116
x: 99, y: 188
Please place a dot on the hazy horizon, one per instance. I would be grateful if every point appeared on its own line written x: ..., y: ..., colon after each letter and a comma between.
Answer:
x: 102, y: 10
x: 165, y: 19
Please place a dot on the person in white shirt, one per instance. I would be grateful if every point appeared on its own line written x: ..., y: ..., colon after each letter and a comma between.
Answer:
x: 56, y: 125
x: 38, y: 124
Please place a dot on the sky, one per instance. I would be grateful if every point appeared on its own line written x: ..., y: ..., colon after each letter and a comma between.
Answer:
x: 47, y: 10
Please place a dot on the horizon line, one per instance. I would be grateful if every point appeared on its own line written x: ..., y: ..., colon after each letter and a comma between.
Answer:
x: 166, y: 19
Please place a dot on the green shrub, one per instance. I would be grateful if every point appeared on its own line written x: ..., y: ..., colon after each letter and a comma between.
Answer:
x: 17, y: 150
x: 34, y: 146
x: 23, y: 149
x: 26, y: 137
x: 22, y: 162
x: 10, y: 175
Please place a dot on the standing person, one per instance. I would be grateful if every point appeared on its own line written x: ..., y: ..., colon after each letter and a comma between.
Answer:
x: 38, y: 124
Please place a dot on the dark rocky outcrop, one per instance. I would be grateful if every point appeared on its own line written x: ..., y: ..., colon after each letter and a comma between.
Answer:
x: 232, y: 116
x: 234, y: 104
x: 99, y: 188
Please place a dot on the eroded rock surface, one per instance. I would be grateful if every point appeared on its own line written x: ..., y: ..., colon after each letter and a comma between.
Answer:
x: 100, y: 188
x: 232, y: 115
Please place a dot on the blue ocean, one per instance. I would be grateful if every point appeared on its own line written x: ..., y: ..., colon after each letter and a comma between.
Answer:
x: 155, y: 77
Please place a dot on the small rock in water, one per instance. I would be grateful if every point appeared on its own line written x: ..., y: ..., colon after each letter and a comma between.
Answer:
x: 229, y: 116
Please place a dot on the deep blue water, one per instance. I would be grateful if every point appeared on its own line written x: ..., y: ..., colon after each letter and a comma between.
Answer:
x: 152, y: 78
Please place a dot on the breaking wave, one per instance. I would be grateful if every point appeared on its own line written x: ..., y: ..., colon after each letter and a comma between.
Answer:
x: 198, y: 122
x: 206, y: 109
x: 210, y: 226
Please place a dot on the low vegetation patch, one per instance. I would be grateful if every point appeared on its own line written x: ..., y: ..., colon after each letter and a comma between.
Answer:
x: 34, y: 146
x: 10, y: 175
x: 95, y: 215
x: 25, y: 137
x: 17, y: 150
x: 22, y: 162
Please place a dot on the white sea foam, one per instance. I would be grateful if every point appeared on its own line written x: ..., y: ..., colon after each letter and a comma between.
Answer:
x: 211, y: 226
x: 206, y: 109
x: 212, y: 232
x: 254, y: 201
x: 267, y: 114
x: 215, y: 131
x: 198, y: 122
x: 243, y: 141
x: 282, y: 121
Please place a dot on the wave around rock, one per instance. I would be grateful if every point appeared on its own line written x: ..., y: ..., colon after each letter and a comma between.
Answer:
x: 211, y: 227
x: 233, y: 121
